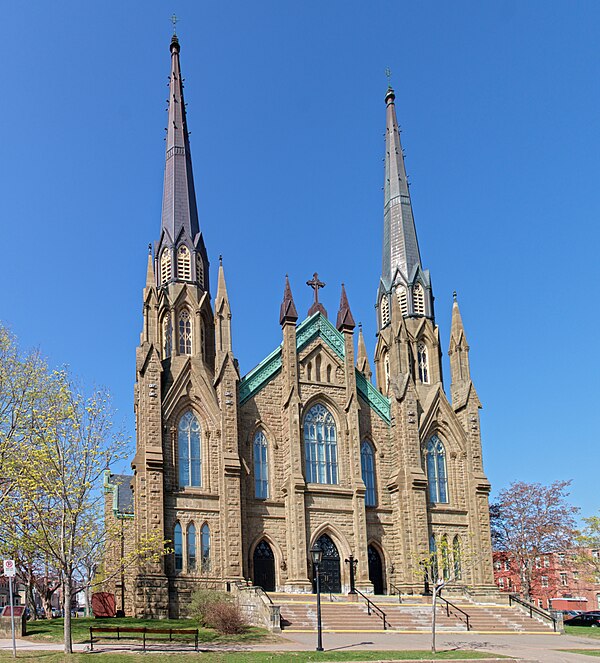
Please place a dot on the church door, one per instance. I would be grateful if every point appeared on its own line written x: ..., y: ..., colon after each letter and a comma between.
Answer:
x: 264, y: 567
x: 331, y: 580
x: 376, y: 570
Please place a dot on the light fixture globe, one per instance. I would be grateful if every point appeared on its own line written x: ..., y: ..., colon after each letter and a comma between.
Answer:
x: 316, y: 554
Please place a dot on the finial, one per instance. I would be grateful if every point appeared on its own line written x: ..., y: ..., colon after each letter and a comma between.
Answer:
x: 174, y: 20
x: 360, y: 327
x: 388, y: 74
x: 149, y: 249
x: 221, y: 260
x: 454, y: 295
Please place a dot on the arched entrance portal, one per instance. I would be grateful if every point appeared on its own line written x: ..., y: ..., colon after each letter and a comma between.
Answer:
x: 264, y: 566
x: 331, y: 580
x: 376, y: 570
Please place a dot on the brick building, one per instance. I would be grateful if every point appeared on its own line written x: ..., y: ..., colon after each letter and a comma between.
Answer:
x: 245, y: 474
x: 559, y: 580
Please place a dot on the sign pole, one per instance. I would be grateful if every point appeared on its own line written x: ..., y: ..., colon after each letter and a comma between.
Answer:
x: 12, y: 616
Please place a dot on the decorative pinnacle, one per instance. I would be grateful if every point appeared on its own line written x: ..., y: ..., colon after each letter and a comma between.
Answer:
x: 149, y: 249
x: 454, y: 295
x: 388, y: 73
x: 174, y: 20
x: 220, y: 259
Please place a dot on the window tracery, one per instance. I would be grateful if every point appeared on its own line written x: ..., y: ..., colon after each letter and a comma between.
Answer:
x: 437, y: 481
x: 165, y: 266
x: 320, y: 444
x: 185, y: 333
x: 184, y: 265
x: 261, y: 466
x: 188, y: 445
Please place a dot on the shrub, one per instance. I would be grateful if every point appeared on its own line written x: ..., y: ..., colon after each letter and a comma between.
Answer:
x: 227, y: 618
x: 203, y: 602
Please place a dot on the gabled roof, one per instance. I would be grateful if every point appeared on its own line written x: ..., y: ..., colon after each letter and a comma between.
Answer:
x: 316, y: 326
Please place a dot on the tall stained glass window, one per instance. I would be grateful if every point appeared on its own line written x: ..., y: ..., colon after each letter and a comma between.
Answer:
x: 188, y: 445
x: 261, y: 466
x: 178, y: 547
x: 320, y: 444
x: 437, y: 480
x: 367, y: 464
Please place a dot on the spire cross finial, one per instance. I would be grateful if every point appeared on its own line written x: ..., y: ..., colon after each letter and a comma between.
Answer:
x: 315, y: 284
x: 388, y: 73
x: 174, y: 20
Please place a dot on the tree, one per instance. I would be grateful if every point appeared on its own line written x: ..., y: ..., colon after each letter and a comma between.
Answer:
x: 530, y: 520
x: 588, y: 543
x: 71, y: 443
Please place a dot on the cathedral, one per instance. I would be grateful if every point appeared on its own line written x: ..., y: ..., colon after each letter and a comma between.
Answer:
x: 243, y: 475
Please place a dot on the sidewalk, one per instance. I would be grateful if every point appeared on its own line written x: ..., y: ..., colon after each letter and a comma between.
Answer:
x: 524, y: 648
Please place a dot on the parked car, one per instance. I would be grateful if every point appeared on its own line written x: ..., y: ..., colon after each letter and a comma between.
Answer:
x: 570, y: 613
x: 585, y: 619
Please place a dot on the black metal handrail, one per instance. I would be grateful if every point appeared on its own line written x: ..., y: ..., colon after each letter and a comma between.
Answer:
x: 375, y: 608
x: 395, y: 590
x: 532, y: 608
x: 467, y: 619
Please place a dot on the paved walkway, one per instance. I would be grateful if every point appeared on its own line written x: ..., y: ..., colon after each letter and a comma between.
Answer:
x: 525, y: 648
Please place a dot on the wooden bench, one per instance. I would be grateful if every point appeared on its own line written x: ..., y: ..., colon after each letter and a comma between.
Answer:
x: 133, y: 633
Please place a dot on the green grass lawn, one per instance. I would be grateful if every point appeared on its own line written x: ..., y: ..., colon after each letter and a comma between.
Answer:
x: 51, y: 630
x: 254, y: 657
x: 585, y: 652
x: 584, y: 631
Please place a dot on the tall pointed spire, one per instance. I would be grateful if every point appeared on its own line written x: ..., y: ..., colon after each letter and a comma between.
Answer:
x: 179, y: 197
x: 344, y: 316
x: 362, y: 360
x: 400, y: 246
x: 222, y: 298
x: 222, y: 315
x: 287, y: 312
x: 150, y: 281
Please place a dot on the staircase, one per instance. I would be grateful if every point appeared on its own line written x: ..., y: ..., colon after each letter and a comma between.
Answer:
x: 340, y: 613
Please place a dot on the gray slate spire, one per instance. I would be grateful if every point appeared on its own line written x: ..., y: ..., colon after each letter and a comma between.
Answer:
x: 400, y: 246
x: 179, y: 197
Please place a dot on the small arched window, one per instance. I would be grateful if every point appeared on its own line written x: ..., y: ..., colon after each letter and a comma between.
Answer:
x: 419, y: 299
x: 367, y: 465
x: 185, y: 333
x: 423, y: 362
x: 178, y: 547
x: 205, y: 547
x: 445, y: 557
x: 437, y: 481
x: 320, y: 446
x: 386, y: 373
x: 402, y: 295
x: 456, y: 555
x: 188, y: 445
x: 191, y: 547
x: 261, y: 466
x: 199, y: 270
x: 184, y: 265
x: 167, y: 336
x: 385, y: 311
x: 433, y: 558
x: 165, y: 266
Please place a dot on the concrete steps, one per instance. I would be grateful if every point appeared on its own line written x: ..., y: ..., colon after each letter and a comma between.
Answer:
x: 299, y: 613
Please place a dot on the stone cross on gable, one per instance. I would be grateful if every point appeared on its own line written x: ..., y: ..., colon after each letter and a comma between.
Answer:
x: 315, y: 284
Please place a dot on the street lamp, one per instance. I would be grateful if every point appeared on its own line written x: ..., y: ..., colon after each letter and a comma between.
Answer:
x: 316, y: 554
x: 353, y: 564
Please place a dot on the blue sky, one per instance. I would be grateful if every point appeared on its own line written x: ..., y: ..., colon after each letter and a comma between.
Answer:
x: 498, y: 103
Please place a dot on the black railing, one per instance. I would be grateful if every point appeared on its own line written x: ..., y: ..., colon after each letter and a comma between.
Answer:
x: 530, y: 608
x: 461, y: 614
x: 395, y: 590
x: 372, y: 607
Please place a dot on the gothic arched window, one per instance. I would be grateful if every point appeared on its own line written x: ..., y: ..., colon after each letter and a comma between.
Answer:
x: 433, y: 555
x: 178, y: 547
x: 184, y: 265
x: 445, y: 557
x: 367, y: 465
x: 423, y: 362
x: 199, y: 270
x: 385, y: 311
x: 167, y: 336
x: 402, y: 299
x: 188, y: 445
x: 261, y: 466
x: 185, y: 333
x: 191, y: 547
x: 437, y: 480
x: 419, y: 299
x: 165, y: 266
x: 320, y: 445
x: 205, y: 547
x: 457, y: 558
x: 386, y: 373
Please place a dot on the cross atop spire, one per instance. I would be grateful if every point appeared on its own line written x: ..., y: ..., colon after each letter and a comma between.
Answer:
x: 315, y: 284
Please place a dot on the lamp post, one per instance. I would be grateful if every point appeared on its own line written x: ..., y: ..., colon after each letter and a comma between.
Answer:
x: 317, y: 555
x: 353, y: 563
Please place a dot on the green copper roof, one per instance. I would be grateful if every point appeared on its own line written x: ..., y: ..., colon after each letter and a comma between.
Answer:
x: 315, y: 326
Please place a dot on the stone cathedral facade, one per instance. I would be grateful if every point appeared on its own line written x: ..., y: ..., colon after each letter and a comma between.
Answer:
x: 245, y: 474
